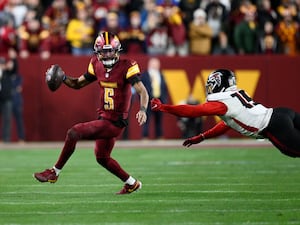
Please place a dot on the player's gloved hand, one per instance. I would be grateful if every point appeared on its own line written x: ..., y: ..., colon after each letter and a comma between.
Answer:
x: 193, y: 140
x: 155, y: 104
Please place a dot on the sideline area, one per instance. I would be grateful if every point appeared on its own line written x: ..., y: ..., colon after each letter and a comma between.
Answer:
x: 135, y: 144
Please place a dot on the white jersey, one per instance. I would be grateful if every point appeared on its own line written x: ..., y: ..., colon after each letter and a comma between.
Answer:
x: 243, y: 114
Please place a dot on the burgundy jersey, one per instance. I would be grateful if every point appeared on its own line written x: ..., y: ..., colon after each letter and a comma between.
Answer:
x: 115, y: 86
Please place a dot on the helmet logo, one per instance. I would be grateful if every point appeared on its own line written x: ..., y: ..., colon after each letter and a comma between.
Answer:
x: 215, y: 78
x: 213, y: 82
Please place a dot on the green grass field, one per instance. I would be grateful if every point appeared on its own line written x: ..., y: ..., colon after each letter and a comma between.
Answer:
x: 240, y: 186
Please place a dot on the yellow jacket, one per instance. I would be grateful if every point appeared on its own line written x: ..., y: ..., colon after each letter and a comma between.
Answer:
x: 79, y: 33
x: 200, y: 38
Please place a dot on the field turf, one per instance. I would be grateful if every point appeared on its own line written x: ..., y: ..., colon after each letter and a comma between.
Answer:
x: 205, y: 186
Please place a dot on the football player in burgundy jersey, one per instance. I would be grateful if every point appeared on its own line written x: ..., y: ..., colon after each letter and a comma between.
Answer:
x: 115, y: 77
x: 239, y: 112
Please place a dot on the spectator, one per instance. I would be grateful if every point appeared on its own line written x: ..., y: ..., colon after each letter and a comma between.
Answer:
x: 148, y: 7
x: 237, y: 15
x: 35, y: 5
x: 18, y: 10
x: 80, y: 32
x: 177, y: 34
x: 245, y: 34
x: 187, y: 9
x: 112, y: 23
x: 247, y: 7
x: 7, y: 71
x: 223, y: 47
x: 288, y: 32
x: 156, y: 34
x: 287, y: 5
x: 200, y: 34
x: 216, y: 18
x: 124, y: 8
x: 155, y: 84
x: 33, y: 39
x: 8, y: 35
x: 106, y: 9
x: 17, y: 100
x: 57, y: 15
x: 100, y: 10
x: 265, y: 13
x: 17, y: 107
x: 133, y: 38
x: 190, y: 126
x: 56, y: 19
x: 268, y: 42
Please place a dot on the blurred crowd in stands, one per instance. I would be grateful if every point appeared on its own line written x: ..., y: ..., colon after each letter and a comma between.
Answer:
x: 153, y: 27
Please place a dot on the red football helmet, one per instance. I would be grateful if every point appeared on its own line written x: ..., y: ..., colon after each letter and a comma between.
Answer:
x: 107, y: 47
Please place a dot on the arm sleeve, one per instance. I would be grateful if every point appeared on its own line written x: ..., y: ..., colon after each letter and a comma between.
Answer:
x: 90, y: 77
x: 192, y: 111
x: 133, y: 80
x: 219, y: 129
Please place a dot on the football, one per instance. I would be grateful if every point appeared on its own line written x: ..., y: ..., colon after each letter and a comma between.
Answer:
x: 54, y: 77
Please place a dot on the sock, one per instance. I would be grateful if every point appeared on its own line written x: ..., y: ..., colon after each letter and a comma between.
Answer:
x: 130, y: 180
x: 57, y: 171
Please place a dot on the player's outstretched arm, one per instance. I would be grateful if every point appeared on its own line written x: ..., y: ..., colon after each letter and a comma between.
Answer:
x: 55, y: 76
x: 76, y: 83
x: 219, y: 129
x: 191, y: 111
x: 193, y: 140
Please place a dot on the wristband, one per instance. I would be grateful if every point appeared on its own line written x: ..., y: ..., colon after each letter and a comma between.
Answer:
x: 64, y: 78
x: 143, y: 108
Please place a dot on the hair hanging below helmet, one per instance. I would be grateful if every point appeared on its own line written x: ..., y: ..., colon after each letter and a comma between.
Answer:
x: 220, y: 80
x: 107, y: 47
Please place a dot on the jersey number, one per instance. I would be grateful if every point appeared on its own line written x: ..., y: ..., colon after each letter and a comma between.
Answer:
x: 244, y: 99
x: 108, y: 99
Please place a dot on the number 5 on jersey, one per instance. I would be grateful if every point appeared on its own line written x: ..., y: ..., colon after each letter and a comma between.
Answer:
x: 108, y: 98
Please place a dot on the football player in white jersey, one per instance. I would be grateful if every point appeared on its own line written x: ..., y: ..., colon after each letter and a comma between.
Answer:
x: 239, y: 112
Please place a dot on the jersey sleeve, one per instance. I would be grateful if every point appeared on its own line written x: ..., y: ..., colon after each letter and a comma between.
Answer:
x: 90, y: 74
x: 133, y: 69
x: 90, y: 77
x: 192, y: 111
x: 219, y: 129
x: 133, y: 72
x: 133, y: 80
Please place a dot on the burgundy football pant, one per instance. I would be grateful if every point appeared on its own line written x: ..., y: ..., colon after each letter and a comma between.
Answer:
x: 105, y: 134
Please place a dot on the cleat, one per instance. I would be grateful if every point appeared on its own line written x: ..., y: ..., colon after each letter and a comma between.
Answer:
x: 48, y: 175
x: 128, y: 189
